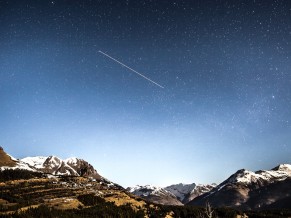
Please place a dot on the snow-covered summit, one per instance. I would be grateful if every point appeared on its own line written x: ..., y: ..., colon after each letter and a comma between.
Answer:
x: 53, y: 161
x: 247, y: 189
x: 148, y: 190
x: 278, y: 173
x: 187, y: 192
x: 181, y: 190
x: 36, y: 162
x: 155, y: 194
x: 283, y: 167
x: 54, y: 165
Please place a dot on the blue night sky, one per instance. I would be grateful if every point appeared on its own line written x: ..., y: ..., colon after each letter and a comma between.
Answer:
x: 225, y: 66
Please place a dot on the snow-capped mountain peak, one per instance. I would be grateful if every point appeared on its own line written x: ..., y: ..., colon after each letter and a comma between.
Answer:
x: 36, y: 162
x: 283, y: 167
x: 181, y: 190
x: 52, y: 161
x: 54, y: 165
x: 147, y: 190
x: 187, y: 192
x: 155, y: 194
x: 247, y: 189
x: 278, y: 173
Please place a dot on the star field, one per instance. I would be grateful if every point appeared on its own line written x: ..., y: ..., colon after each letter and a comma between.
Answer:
x: 225, y: 66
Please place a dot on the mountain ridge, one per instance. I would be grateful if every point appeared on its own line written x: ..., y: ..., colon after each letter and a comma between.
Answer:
x: 71, y: 166
x: 51, y: 165
x: 177, y: 194
x: 244, y: 189
x: 155, y: 194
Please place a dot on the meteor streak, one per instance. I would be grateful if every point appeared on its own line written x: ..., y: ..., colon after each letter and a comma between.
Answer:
x: 131, y: 69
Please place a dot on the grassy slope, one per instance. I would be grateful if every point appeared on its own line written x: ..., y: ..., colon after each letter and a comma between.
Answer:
x: 5, y: 160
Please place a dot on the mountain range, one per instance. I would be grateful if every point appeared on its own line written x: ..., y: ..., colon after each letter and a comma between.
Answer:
x: 244, y: 189
x: 56, y: 166
x: 51, y: 165
x: 178, y: 194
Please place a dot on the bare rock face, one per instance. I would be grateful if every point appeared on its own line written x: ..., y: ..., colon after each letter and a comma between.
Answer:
x: 82, y: 167
x: 199, y: 189
x: 51, y: 165
x: 155, y: 194
x: 251, y: 190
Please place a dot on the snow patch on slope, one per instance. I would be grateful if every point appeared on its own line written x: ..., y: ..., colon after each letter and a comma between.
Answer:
x: 19, y: 165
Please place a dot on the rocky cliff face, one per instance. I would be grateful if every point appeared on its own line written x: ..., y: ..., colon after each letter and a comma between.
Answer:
x: 83, y: 168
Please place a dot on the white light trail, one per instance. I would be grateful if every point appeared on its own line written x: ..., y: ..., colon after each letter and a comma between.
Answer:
x: 131, y: 69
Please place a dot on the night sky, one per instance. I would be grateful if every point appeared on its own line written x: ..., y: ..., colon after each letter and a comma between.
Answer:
x: 225, y: 67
